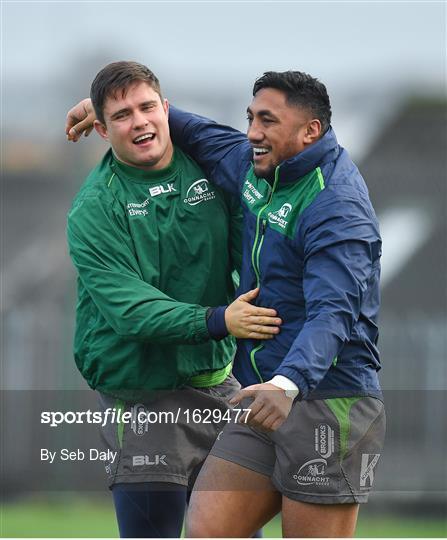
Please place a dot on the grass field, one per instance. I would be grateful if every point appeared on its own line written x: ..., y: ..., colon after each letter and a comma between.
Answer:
x: 74, y: 517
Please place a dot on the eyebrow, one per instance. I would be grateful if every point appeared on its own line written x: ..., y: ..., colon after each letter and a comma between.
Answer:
x: 150, y: 102
x: 126, y: 109
x: 117, y: 113
x: 262, y: 113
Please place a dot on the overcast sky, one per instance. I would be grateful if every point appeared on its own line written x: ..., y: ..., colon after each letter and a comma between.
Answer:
x: 52, y: 50
x: 332, y: 39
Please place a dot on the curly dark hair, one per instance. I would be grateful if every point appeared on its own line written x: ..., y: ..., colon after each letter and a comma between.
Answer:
x: 301, y: 90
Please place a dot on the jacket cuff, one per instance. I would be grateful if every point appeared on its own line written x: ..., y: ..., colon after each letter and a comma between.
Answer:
x: 201, y: 334
x: 295, y: 377
x: 215, y: 321
x: 289, y: 387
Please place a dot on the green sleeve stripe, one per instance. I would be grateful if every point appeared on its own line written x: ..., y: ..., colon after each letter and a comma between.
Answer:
x: 341, y: 407
x: 320, y: 178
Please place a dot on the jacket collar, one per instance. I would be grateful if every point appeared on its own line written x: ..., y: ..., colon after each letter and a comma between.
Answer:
x: 323, y: 151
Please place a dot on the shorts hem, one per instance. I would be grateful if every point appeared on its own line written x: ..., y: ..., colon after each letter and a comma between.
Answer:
x: 243, y: 461
x: 322, y: 498
x: 143, y: 478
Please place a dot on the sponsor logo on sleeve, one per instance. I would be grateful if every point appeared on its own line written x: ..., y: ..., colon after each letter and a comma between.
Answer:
x: 199, y: 192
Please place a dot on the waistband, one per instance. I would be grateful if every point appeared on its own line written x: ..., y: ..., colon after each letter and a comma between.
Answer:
x: 210, y: 378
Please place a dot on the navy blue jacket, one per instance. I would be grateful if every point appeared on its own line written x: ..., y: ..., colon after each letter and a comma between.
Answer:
x: 311, y: 242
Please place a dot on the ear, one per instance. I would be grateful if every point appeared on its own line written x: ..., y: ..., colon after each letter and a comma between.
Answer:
x: 101, y: 129
x: 313, y: 131
x: 166, y: 107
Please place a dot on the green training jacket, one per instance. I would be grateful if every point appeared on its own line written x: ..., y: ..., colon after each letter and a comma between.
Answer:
x: 153, y: 250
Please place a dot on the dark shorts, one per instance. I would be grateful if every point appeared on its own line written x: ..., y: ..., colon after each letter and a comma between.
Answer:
x: 326, y: 452
x: 169, y: 438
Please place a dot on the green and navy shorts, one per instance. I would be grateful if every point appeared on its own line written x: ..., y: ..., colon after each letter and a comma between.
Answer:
x: 168, y: 438
x: 326, y: 452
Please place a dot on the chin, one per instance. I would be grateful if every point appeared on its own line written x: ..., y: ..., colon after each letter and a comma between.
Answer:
x: 151, y: 159
x: 264, y: 172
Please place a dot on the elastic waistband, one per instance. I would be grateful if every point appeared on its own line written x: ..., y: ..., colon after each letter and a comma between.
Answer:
x: 210, y: 378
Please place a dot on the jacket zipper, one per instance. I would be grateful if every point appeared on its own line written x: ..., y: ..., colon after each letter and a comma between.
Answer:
x: 261, y: 226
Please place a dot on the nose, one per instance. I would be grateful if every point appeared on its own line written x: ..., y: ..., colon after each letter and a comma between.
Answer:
x: 140, y: 120
x: 254, y: 133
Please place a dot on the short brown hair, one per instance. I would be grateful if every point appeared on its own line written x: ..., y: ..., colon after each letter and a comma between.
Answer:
x: 119, y: 76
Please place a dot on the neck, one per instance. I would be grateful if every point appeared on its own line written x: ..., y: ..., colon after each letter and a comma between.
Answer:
x: 164, y: 161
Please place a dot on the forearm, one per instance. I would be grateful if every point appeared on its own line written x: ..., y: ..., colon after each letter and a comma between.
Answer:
x: 311, y: 354
x: 222, y: 152
x: 338, y: 242
x: 137, y: 311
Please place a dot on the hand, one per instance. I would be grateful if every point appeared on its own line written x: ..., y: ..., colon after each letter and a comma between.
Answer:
x: 246, y: 321
x: 269, y: 408
x: 80, y: 120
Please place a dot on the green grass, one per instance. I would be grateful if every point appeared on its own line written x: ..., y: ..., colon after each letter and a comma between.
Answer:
x: 382, y: 527
x: 68, y: 516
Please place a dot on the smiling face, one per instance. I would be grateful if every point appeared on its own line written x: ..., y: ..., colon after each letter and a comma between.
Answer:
x: 277, y: 130
x: 136, y: 125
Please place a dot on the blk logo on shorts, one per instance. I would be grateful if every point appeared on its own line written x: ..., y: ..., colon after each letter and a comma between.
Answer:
x: 369, y: 461
x: 157, y: 459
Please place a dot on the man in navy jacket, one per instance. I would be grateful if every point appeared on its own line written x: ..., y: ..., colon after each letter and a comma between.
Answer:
x: 312, y: 245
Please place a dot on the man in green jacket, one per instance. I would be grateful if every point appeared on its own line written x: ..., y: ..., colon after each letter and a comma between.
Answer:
x: 155, y: 244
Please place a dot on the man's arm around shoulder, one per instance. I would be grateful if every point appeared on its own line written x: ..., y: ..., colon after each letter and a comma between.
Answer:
x: 223, y: 152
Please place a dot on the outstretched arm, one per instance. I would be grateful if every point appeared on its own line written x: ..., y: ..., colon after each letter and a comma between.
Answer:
x: 223, y: 152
